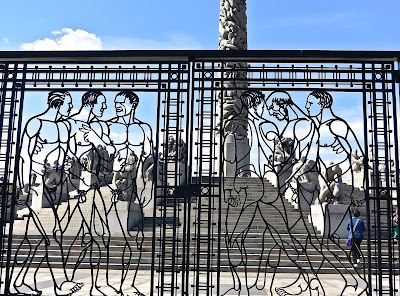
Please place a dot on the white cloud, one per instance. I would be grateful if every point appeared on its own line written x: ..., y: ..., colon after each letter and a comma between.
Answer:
x: 5, y: 40
x: 67, y: 39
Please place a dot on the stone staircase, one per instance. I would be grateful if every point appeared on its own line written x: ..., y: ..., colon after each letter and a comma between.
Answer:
x: 267, y: 228
x: 291, y: 242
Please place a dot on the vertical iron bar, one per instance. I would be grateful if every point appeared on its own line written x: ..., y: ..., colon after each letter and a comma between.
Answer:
x: 191, y: 149
x: 200, y: 169
x: 155, y: 177
x: 211, y: 163
x: 210, y: 194
x: 377, y: 198
x: 220, y: 172
x: 366, y: 178
x: 164, y: 203
x: 396, y: 155
x: 209, y: 223
x: 386, y: 136
x: 175, y: 235
x: 3, y: 195
x: 188, y: 173
x: 5, y: 191
x: 395, y: 75
x: 175, y: 184
x: 15, y: 176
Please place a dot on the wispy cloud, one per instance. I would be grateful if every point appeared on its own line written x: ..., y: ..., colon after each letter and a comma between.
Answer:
x: 5, y: 40
x: 80, y: 115
x: 173, y: 41
x: 66, y: 39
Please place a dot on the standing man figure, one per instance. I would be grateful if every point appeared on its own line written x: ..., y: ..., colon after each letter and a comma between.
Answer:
x: 135, y: 135
x: 43, y: 139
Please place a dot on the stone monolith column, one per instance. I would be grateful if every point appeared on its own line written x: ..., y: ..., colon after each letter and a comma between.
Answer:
x: 233, y: 36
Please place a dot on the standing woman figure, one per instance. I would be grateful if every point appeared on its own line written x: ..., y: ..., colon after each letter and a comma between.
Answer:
x: 356, y: 227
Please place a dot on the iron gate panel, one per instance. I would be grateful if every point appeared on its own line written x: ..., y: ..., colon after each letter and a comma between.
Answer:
x: 166, y: 200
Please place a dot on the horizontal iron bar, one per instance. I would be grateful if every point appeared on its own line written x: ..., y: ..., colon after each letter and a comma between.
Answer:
x: 106, y: 56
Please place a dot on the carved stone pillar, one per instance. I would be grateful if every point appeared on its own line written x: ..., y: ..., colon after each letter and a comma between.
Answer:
x: 233, y: 36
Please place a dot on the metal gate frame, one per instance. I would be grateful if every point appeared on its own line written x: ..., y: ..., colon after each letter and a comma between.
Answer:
x: 376, y: 75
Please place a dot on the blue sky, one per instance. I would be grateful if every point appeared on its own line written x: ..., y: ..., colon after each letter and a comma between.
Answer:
x: 188, y: 24
x: 150, y: 24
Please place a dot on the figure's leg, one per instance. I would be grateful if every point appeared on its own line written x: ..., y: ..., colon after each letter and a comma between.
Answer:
x: 258, y: 242
x: 139, y: 236
x: 236, y: 239
x: 66, y: 286
x: 232, y: 244
x: 20, y: 284
x: 95, y: 266
x: 262, y: 267
x: 140, y: 239
x: 104, y: 234
x: 33, y: 221
x: 286, y: 248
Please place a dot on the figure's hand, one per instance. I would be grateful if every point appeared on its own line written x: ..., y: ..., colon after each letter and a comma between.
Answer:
x: 89, y: 134
x: 233, y: 201
x: 38, y: 147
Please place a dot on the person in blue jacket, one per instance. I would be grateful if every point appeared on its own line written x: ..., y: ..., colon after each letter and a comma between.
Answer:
x: 356, y: 229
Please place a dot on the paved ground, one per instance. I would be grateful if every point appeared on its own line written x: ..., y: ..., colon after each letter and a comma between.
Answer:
x: 333, y: 284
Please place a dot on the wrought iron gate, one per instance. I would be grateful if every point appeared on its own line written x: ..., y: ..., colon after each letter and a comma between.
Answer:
x: 198, y: 173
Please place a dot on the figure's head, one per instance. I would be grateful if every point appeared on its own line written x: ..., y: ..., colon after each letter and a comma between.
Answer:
x: 125, y: 101
x: 356, y: 213
x: 253, y: 99
x: 171, y: 140
x: 61, y: 101
x: 171, y: 144
x: 96, y: 101
x: 278, y: 103
x: 317, y: 101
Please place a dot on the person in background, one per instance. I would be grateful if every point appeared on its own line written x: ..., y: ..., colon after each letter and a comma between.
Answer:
x: 396, y: 223
x: 356, y: 227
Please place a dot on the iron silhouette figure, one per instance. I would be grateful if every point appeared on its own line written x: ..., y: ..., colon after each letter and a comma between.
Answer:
x: 91, y: 189
x: 42, y: 137
x: 290, y: 140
